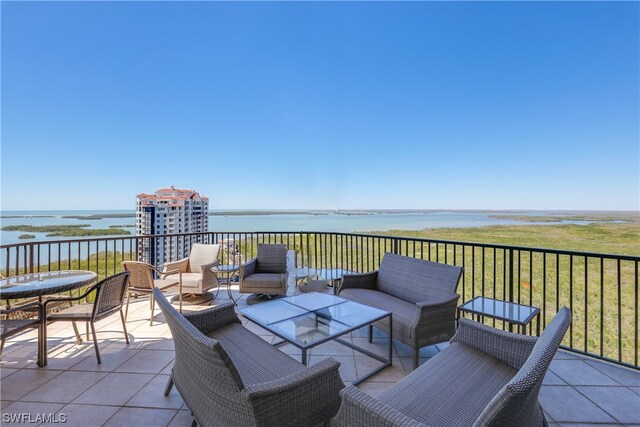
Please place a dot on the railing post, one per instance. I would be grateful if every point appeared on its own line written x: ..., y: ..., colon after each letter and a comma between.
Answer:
x: 31, y: 257
x: 510, y: 282
x: 395, y: 246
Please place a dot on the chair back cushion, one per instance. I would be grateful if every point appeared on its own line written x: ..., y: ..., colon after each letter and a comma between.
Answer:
x: 110, y: 295
x: 140, y: 274
x: 201, y: 255
x: 415, y: 280
x: 203, y: 371
x: 271, y: 258
x: 517, y: 402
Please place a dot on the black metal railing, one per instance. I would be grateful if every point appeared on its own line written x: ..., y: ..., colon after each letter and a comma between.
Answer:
x: 600, y: 289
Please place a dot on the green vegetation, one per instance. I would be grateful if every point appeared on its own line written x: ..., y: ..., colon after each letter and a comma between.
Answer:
x: 66, y: 230
x: 607, y: 238
x: 27, y: 236
x: 630, y: 217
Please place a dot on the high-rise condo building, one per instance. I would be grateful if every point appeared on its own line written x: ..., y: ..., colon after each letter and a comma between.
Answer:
x: 169, y: 211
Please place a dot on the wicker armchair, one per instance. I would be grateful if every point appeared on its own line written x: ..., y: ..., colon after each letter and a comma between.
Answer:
x: 109, y: 297
x: 10, y: 327
x: 420, y: 294
x: 229, y: 376
x: 267, y: 272
x: 141, y: 282
x: 195, y: 270
x: 485, y: 377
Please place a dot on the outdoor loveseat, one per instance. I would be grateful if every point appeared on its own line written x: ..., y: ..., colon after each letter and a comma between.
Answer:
x: 229, y: 376
x: 485, y: 377
x: 420, y: 294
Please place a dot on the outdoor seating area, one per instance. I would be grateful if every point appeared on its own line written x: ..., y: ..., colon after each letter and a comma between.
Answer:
x: 149, y: 380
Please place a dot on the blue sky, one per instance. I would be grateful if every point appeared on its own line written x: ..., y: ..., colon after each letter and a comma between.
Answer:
x: 499, y: 105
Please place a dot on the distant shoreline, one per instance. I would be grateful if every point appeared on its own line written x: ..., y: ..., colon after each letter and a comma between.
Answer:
x: 516, y: 215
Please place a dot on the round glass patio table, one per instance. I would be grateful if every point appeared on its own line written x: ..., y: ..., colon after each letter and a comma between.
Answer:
x: 45, y: 283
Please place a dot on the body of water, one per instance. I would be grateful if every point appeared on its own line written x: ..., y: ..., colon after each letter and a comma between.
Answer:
x: 325, y: 221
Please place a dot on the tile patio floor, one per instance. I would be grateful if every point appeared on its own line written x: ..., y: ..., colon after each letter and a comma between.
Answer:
x: 127, y: 388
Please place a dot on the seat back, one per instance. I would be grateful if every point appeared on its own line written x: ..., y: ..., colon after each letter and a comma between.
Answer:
x: 110, y: 295
x: 203, y: 371
x: 271, y: 258
x: 415, y: 280
x: 201, y: 255
x: 140, y: 274
x: 517, y: 402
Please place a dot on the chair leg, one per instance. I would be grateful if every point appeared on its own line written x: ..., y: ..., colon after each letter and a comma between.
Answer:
x: 194, y: 423
x: 169, y: 386
x: 416, y: 357
x: 42, y: 344
x: 2, y: 345
x: 126, y: 310
x: 75, y: 330
x: 87, y: 329
x: 370, y: 333
x: 124, y: 327
x: 95, y: 343
x: 153, y: 303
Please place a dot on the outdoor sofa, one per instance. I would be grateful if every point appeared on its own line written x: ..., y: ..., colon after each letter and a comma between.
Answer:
x: 420, y: 294
x: 485, y: 377
x: 229, y: 376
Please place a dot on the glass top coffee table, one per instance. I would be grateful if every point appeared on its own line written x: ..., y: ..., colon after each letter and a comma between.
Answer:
x: 308, y: 320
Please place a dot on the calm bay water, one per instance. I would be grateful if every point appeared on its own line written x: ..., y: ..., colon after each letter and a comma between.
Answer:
x: 338, y: 222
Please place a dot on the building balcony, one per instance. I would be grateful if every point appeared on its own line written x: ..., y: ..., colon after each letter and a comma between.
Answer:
x: 594, y: 378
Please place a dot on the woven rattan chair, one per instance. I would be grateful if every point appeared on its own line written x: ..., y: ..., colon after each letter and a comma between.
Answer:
x: 485, y: 377
x: 195, y: 270
x: 266, y: 273
x: 109, y: 297
x: 141, y: 282
x: 10, y: 326
x: 229, y: 376
x: 420, y: 294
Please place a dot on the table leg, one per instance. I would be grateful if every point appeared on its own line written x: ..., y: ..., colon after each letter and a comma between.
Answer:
x: 229, y: 288
x: 304, y: 356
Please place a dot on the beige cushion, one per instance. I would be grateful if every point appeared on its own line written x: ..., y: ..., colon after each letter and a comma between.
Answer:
x: 201, y: 255
x: 191, y: 281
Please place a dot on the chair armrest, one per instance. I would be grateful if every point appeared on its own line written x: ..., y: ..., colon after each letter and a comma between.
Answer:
x: 435, y: 319
x: 512, y: 349
x: 177, y: 265
x: 206, y: 268
x: 360, y: 409
x: 69, y: 299
x: 25, y: 307
x: 359, y: 281
x: 213, y: 318
x: 307, y: 397
x: 248, y: 268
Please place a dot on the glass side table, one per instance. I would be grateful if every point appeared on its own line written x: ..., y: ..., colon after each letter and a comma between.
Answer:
x: 229, y: 270
x: 512, y: 313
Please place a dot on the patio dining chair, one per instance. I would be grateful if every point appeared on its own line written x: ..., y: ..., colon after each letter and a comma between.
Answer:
x: 141, y: 282
x: 109, y: 297
x: 10, y: 327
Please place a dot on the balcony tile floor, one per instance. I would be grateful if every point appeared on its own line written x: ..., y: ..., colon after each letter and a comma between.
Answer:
x: 127, y: 388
